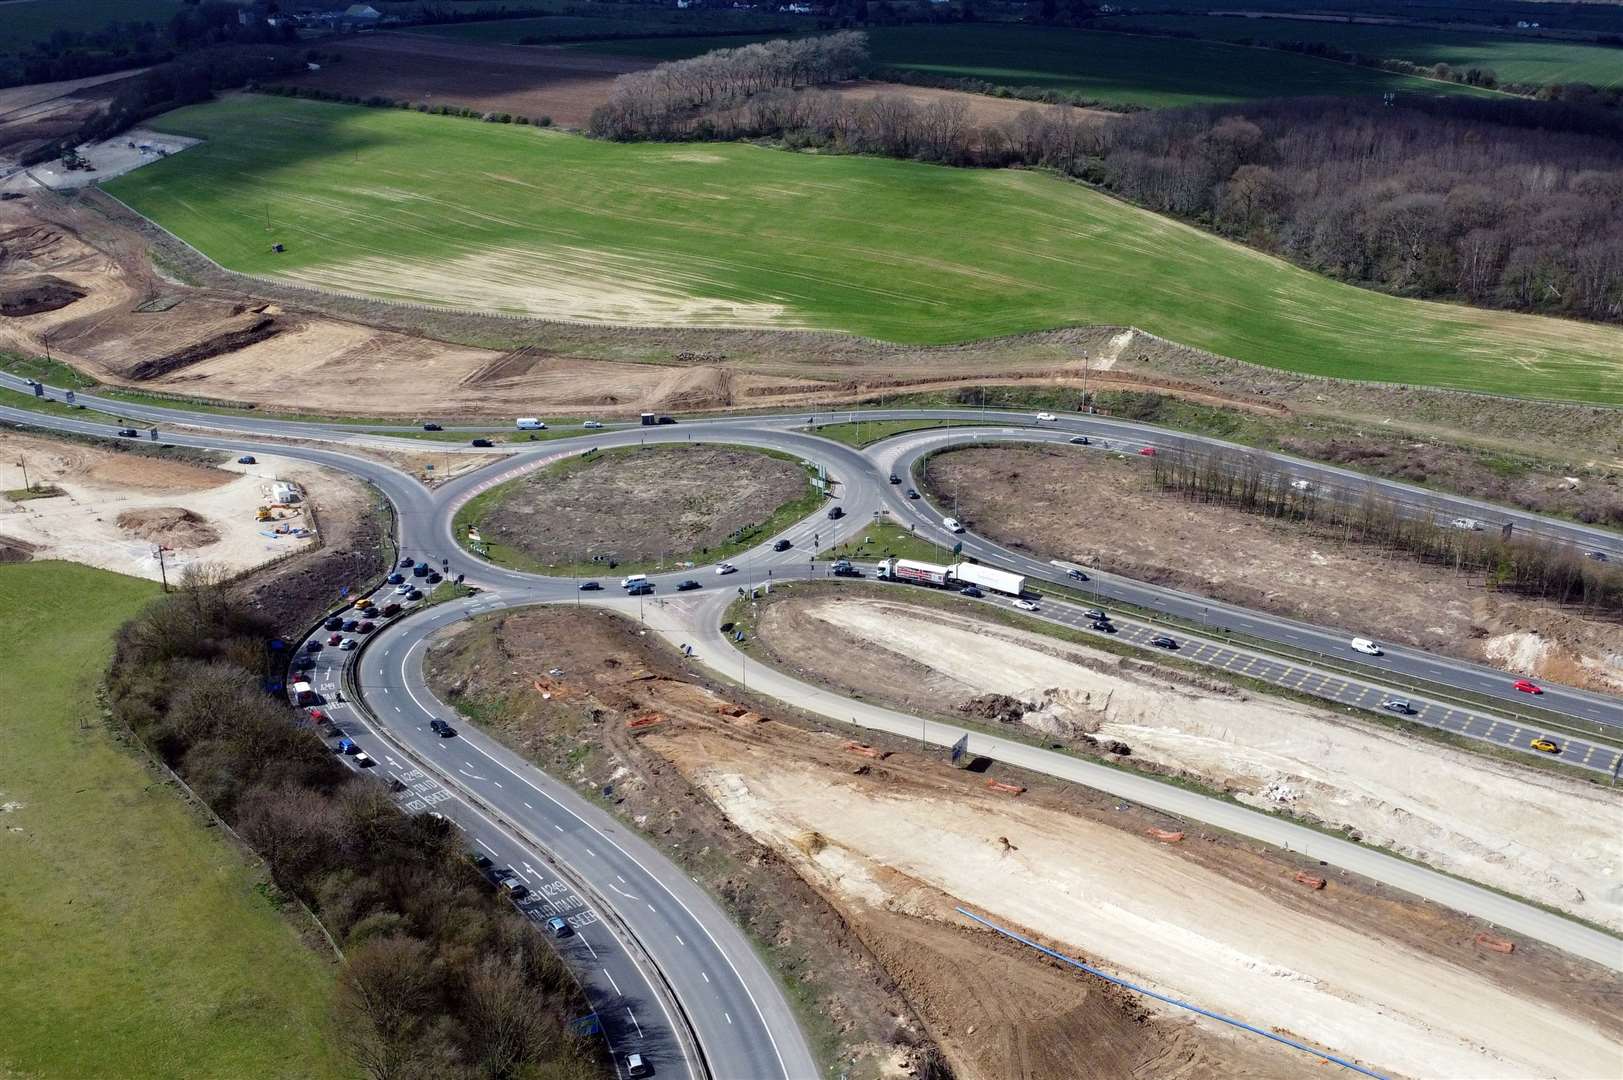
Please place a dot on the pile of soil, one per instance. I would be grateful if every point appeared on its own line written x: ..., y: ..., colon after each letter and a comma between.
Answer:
x: 999, y: 707
x: 30, y: 296
x: 252, y: 328
x: 171, y: 526
x: 13, y: 550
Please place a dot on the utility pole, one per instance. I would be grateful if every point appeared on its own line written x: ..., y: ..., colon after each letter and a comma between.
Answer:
x: 23, y: 465
x: 163, y: 573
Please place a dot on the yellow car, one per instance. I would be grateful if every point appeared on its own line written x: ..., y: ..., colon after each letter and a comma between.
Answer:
x: 1545, y: 746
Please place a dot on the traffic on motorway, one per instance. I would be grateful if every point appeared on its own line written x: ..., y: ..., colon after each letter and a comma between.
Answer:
x: 671, y: 980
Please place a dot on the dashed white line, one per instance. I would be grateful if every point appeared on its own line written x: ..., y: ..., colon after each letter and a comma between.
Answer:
x: 637, y: 1025
x: 679, y: 940
x: 612, y: 983
x: 586, y: 943
x: 705, y: 976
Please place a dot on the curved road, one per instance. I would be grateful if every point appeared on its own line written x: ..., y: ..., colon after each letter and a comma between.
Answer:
x: 667, y: 972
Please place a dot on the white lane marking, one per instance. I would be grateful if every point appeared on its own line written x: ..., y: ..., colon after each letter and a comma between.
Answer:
x: 385, y: 689
x: 592, y: 853
x: 484, y: 845
x: 627, y: 895
x: 532, y: 869
x: 679, y: 940
x: 777, y: 1053
x: 651, y: 907
x: 593, y: 951
x: 471, y: 776
x: 617, y: 877
x: 521, y: 873
x: 639, y: 1026
x: 612, y: 983
x: 706, y: 977
x: 729, y: 1017
x: 527, y: 806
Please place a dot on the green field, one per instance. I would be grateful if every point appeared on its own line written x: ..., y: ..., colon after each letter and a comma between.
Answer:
x: 1124, y: 69
x: 134, y: 942
x: 1514, y: 59
x: 416, y: 207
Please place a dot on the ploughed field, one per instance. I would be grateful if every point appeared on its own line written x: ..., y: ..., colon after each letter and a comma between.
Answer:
x: 404, y: 206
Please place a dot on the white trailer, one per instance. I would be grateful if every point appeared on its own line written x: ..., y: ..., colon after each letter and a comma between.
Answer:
x: 988, y: 577
x: 920, y: 573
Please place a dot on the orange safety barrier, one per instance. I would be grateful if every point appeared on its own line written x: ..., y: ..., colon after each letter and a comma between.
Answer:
x: 1309, y: 880
x: 1164, y: 836
x: 866, y: 751
x: 645, y: 720
x: 1488, y: 941
x: 998, y: 785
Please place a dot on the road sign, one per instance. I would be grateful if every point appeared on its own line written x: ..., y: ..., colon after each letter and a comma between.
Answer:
x: 960, y: 748
x: 958, y: 548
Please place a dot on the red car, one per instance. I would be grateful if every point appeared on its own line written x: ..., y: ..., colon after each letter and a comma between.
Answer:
x: 1147, y: 451
x: 1527, y: 687
x: 317, y: 716
x: 335, y: 639
x: 366, y: 627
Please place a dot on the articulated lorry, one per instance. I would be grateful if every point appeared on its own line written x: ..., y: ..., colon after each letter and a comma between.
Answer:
x: 963, y: 573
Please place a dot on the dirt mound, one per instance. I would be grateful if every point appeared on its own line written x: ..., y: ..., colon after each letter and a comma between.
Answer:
x: 171, y: 526
x: 695, y: 389
x: 13, y: 550
x: 258, y: 328
x: 999, y: 707
x: 30, y: 296
x: 30, y: 247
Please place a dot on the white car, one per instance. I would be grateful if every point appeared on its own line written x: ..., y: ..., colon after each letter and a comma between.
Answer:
x: 347, y: 644
x: 1046, y: 418
x: 593, y: 424
x: 1025, y: 605
x: 951, y: 525
x: 402, y: 590
x: 726, y: 568
x: 1302, y: 485
x: 1366, y: 646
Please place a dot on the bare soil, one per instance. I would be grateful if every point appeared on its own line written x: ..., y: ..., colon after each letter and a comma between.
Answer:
x: 984, y: 110
x: 31, y: 116
x: 1102, y: 511
x: 641, y: 505
x: 1545, y: 837
x: 30, y: 296
x: 171, y: 526
x: 530, y: 81
x: 852, y: 865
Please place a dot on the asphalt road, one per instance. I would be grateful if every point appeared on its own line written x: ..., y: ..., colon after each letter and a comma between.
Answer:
x: 669, y: 943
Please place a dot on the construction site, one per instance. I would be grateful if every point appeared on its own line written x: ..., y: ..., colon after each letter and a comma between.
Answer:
x: 762, y: 804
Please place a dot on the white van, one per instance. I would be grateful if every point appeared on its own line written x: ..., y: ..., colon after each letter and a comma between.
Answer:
x: 634, y: 579
x: 951, y: 525
x: 530, y: 423
x: 1365, y: 645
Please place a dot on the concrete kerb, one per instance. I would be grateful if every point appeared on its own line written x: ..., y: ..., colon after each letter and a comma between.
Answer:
x: 685, y: 1029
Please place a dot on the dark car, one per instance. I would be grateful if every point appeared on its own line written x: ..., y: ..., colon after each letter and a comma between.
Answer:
x: 1081, y: 440
x: 847, y: 571
x: 912, y: 493
x: 481, y: 442
x: 895, y: 479
x: 835, y: 513
x: 1161, y: 641
x: 350, y: 625
x: 334, y: 623
x: 480, y: 859
x: 441, y: 728
x: 129, y: 433
x: 1076, y: 575
x: 405, y: 563
x: 397, y: 578
x: 335, y: 639
x: 247, y: 459
x: 1598, y: 556
x: 432, y: 427
x: 591, y: 586
x: 415, y: 594
x: 687, y: 585
x: 1104, y: 626
x: 970, y: 590
x: 420, y: 570
x: 557, y: 927
x: 391, y: 610
x: 782, y: 545
x: 313, y: 646
x: 666, y: 420
x: 1399, y: 706
x: 434, y: 577
x: 512, y: 886
x: 366, y: 627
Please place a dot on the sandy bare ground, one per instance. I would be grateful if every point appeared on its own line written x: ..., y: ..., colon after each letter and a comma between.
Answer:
x: 1144, y: 910
x: 1029, y: 497
x: 1540, y: 836
x: 118, y: 508
x: 37, y: 113
x: 530, y: 81
x: 112, y: 157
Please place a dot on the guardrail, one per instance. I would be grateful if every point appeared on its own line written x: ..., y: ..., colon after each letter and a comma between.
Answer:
x: 685, y: 1030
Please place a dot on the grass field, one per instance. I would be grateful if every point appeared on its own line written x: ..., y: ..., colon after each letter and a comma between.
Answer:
x: 1121, y: 69
x: 413, y: 207
x: 133, y: 940
x: 1514, y: 59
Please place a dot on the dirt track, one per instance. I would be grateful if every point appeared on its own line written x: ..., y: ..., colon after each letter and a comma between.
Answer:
x: 1102, y: 512
x: 892, y: 842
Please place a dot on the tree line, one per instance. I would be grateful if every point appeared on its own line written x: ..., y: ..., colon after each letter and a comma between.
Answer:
x: 664, y: 102
x: 1499, y: 203
x: 1526, y: 565
x: 441, y: 978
